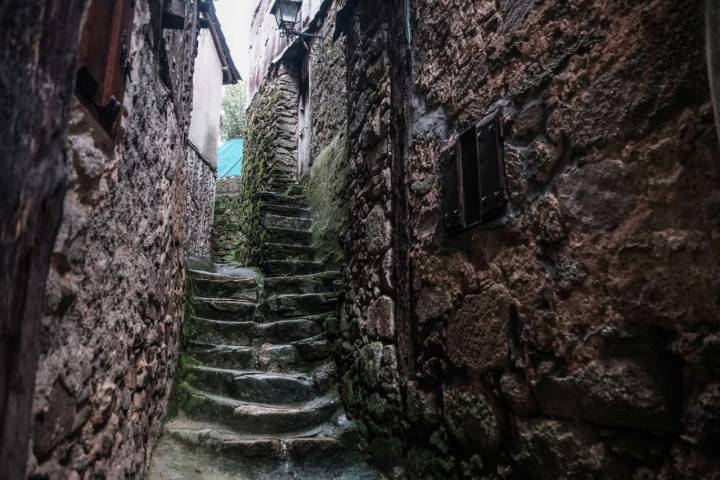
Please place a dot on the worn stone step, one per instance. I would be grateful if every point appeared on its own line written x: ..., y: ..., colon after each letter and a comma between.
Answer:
x: 313, y: 349
x: 251, y: 333
x: 256, y: 418
x: 312, y: 283
x: 291, y: 267
x: 315, y: 443
x: 281, y: 221
x: 295, y: 305
x: 224, y: 287
x: 267, y: 357
x: 255, y: 386
x: 223, y: 356
x: 284, y: 357
x: 179, y: 456
x: 280, y: 199
x: 288, y: 235
x: 296, y: 190
x: 223, y: 309
x: 285, y: 210
x: 284, y: 251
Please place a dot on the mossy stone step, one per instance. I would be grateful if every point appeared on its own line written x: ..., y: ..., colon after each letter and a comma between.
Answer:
x: 258, y: 418
x: 291, y: 267
x: 255, y: 386
x: 252, y: 333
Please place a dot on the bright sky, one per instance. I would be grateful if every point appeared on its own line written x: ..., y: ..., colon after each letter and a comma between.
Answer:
x: 235, y: 18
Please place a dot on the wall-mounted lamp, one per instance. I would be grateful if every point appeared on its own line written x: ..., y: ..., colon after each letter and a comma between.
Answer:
x: 286, y: 15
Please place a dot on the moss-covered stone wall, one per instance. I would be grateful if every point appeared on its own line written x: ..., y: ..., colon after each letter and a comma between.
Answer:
x: 269, y: 163
x: 326, y: 181
x: 227, y: 235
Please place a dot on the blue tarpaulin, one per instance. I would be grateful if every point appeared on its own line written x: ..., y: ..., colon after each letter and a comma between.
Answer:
x: 230, y: 158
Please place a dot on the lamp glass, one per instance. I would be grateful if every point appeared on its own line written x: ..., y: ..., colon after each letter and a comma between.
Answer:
x: 286, y: 12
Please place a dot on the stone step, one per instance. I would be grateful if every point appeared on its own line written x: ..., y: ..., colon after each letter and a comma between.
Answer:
x: 255, y: 418
x: 289, y: 236
x: 283, y: 357
x: 223, y: 356
x: 267, y: 357
x: 224, y: 309
x: 281, y: 221
x: 315, y: 443
x: 179, y: 456
x: 280, y: 199
x: 255, y: 386
x: 284, y: 251
x: 311, y: 445
x: 312, y: 283
x: 252, y: 333
x: 291, y: 267
x: 224, y: 287
x: 285, y: 210
x: 314, y: 348
x: 296, y: 305
x: 296, y: 190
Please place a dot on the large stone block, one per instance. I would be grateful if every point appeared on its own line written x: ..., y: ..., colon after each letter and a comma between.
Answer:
x: 477, y: 335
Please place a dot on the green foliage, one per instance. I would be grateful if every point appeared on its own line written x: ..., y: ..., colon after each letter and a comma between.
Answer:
x: 232, y: 115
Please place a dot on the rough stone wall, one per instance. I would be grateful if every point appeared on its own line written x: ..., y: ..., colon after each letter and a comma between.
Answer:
x: 226, y: 235
x: 365, y: 348
x: 38, y: 44
x: 199, y: 216
x: 326, y: 181
x: 577, y: 336
x: 114, y: 304
x: 327, y: 79
x: 270, y: 154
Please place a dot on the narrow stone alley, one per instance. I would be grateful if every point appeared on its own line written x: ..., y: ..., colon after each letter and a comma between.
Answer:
x: 257, y: 393
x: 398, y: 239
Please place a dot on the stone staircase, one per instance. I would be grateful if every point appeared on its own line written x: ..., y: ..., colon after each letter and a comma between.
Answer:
x: 259, y: 400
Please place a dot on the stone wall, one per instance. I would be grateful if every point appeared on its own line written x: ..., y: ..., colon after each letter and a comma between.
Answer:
x: 326, y: 182
x: 199, y: 215
x: 270, y: 156
x: 575, y: 337
x: 38, y: 44
x: 366, y: 347
x: 114, y: 304
x: 226, y: 233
